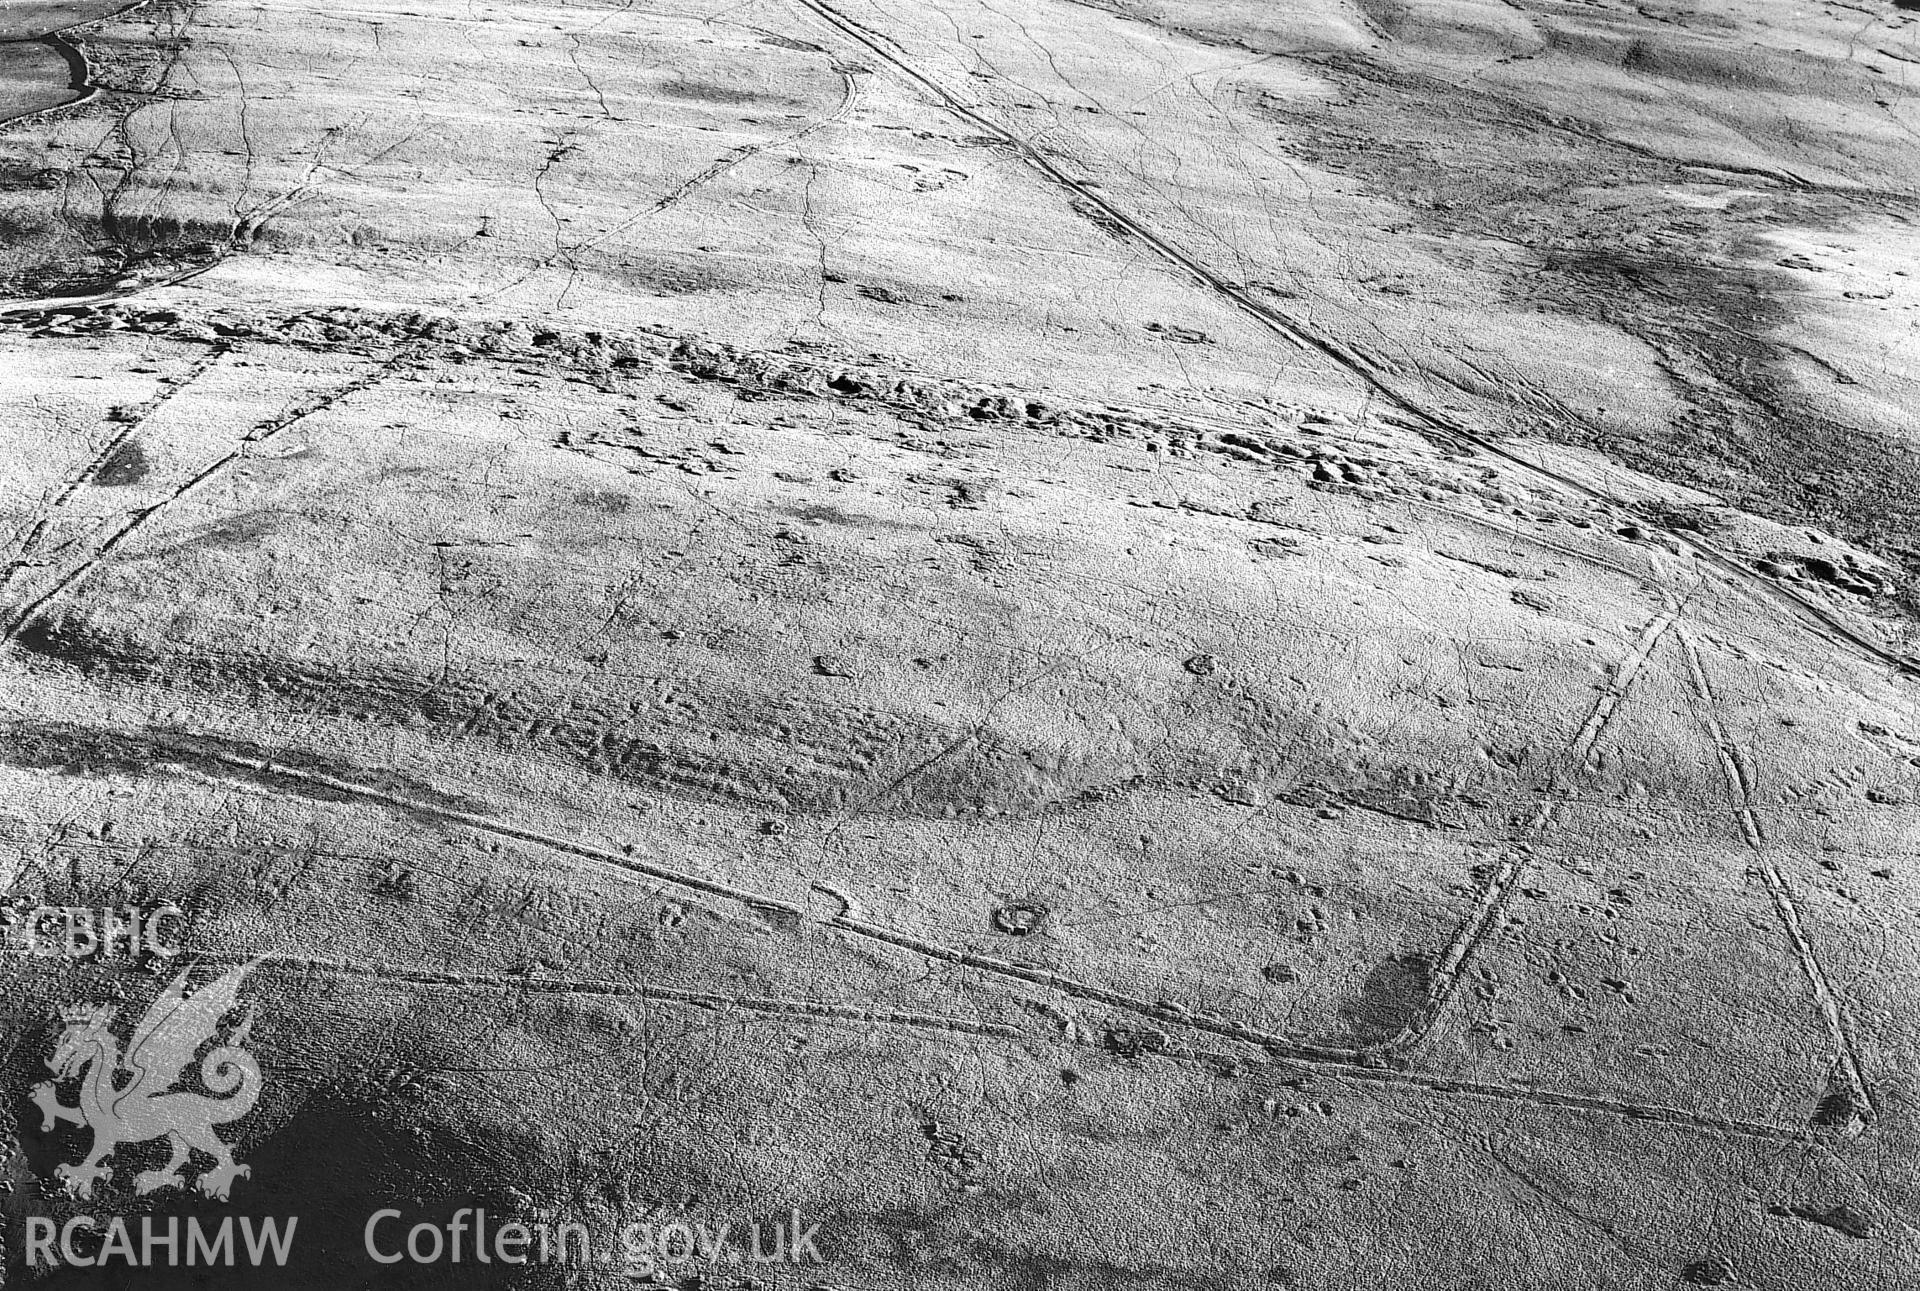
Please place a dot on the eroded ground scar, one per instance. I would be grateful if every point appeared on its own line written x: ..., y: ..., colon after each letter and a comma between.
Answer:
x: 1739, y: 778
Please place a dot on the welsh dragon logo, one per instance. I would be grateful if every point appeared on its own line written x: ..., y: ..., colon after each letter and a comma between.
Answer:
x: 134, y: 1098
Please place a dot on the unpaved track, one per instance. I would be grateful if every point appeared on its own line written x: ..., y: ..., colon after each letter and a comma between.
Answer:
x: 1807, y: 612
